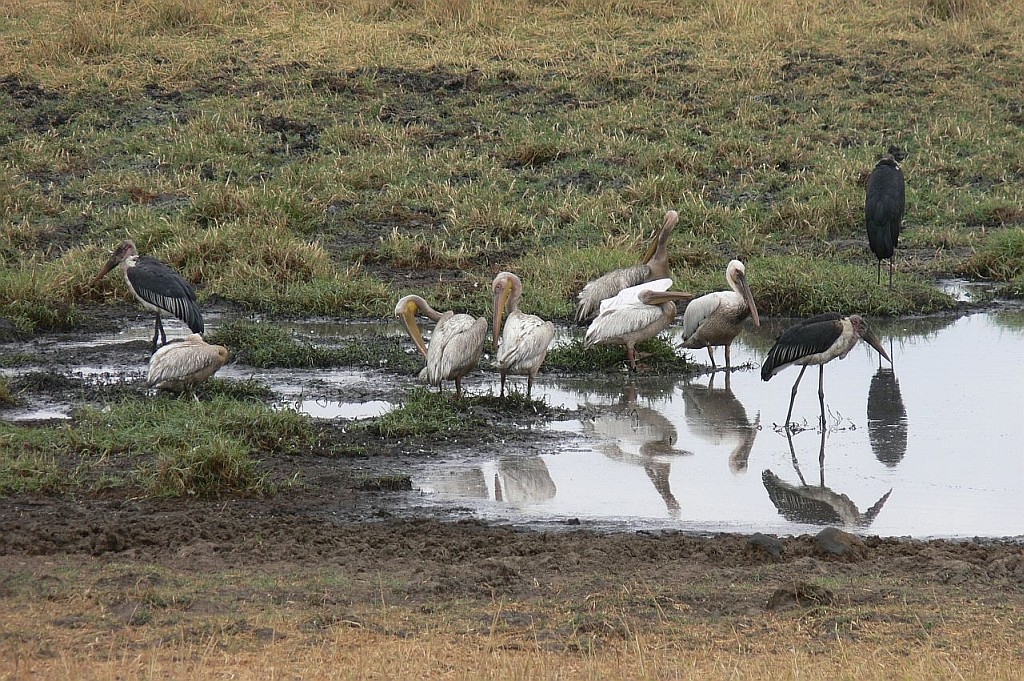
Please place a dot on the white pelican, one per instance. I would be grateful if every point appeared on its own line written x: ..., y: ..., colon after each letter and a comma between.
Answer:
x: 653, y: 266
x: 817, y: 340
x: 635, y: 314
x: 157, y: 286
x: 523, y: 345
x: 717, y: 318
x: 455, y: 345
x: 185, y: 363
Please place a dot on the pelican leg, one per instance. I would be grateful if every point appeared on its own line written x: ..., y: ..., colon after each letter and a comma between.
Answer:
x: 728, y: 364
x: 502, y: 383
x: 458, y: 388
x: 711, y: 354
x: 792, y: 397
x: 529, y: 385
x: 821, y: 393
x: 631, y: 354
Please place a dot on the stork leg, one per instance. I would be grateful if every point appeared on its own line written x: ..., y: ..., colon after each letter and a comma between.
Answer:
x: 890, y: 270
x: 158, y: 333
x: 821, y: 393
x: 792, y: 397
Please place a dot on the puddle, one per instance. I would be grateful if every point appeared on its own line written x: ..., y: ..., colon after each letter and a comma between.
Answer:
x: 928, y: 448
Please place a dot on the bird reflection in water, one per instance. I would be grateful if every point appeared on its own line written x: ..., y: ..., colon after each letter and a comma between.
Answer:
x: 816, y: 504
x: 887, y: 418
x: 518, y: 480
x: 718, y: 418
x: 640, y: 436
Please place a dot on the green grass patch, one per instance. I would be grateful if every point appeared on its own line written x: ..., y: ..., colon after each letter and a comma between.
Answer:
x: 264, y: 345
x: 657, y: 356
x: 425, y: 412
x: 1000, y: 256
x: 165, y: 446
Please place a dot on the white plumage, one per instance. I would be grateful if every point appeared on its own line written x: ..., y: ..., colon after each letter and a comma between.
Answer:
x: 183, y: 364
x: 523, y: 344
x: 455, y: 346
x: 717, y: 318
x: 635, y: 314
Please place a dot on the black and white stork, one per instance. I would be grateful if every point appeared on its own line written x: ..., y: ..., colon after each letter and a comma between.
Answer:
x: 817, y: 340
x: 883, y: 210
x: 157, y: 286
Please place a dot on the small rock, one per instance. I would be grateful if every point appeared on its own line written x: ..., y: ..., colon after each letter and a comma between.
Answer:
x: 759, y: 544
x: 800, y: 594
x: 834, y: 543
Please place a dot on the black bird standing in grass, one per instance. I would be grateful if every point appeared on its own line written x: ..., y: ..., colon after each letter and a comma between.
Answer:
x: 817, y: 340
x: 883, y: 210
x: 157, y: 286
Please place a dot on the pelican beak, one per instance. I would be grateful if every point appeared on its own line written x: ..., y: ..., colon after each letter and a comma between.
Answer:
x: 408, y: 317
x: 749, y: 297
x: 651, y: 250
x: 660, y: 297
x: 500, y: 300
x: 873, y: 341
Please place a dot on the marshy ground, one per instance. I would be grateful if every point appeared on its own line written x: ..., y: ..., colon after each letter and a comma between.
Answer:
x: 318, y: 158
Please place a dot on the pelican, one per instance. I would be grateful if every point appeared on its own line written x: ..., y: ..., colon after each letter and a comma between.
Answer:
x: 717, y: 318
x: 635, y: 314
x: 185, y: 363
x: 157, y: 286
x: 817, y: 340
x: 884, y: 206
x: 523, y: 345
x: 455, y: 346
x: 653, y: 266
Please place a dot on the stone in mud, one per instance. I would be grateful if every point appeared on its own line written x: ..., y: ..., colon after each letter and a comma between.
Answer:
x: 761, y: 545
x: 834, y: 543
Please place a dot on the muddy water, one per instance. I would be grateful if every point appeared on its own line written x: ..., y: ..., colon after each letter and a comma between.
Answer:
x: 930, y: 447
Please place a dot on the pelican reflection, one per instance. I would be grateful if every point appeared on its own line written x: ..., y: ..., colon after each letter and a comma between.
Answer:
x: 716, y: 416
x: 640, y: 436
x: 518, y: 481
x: 887, y: 418
x: 816, y: 504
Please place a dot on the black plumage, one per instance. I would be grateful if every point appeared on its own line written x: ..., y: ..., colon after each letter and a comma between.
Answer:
x: 884, y: 207
x: 158, y: 287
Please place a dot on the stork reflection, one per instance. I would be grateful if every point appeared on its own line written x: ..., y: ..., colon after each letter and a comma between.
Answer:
x: 816, y: 504
x: 640, y: 436
x: 887, y: 418
x: 717, y: 417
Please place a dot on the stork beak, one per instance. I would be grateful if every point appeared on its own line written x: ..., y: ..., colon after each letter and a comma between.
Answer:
x: 112, y: 262
x: 749, y: 297
x: 500, y: 300
x: 873, y: 341
x: 408, y: 316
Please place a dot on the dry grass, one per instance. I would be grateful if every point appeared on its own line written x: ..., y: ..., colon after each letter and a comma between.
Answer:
x: 284, y: 622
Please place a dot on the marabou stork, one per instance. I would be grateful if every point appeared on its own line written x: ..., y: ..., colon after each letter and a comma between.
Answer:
x: 185, y: 363
x: 653, y: 266
x: 157, y: 286
x: 883, y: 210
x: 523, y: 345
x: 717, y: 318
x: 817, y: 340
x: 633, y: 315
x: 455, y: 346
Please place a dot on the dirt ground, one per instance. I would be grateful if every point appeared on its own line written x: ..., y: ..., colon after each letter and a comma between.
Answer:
x: 90, y: 581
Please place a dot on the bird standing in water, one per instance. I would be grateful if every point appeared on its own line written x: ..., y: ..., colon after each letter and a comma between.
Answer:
x: 717, y: 318
x: 523, y: 345
x: 157, y: 286
x: 455, y: 346
x: 817, y: 340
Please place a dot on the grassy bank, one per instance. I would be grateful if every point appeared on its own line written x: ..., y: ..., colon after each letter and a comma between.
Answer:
x: 302, y: 157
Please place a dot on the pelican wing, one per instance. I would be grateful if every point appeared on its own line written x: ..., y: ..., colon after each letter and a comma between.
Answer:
x: 524, y: 341
x: 182, y: 360
x: 607, y: 286
x: 700, y: 310
x: 455, y: 347
x: 625, y: 314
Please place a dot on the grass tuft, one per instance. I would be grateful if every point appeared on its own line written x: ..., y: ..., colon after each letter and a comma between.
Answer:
x: 425, y: 412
